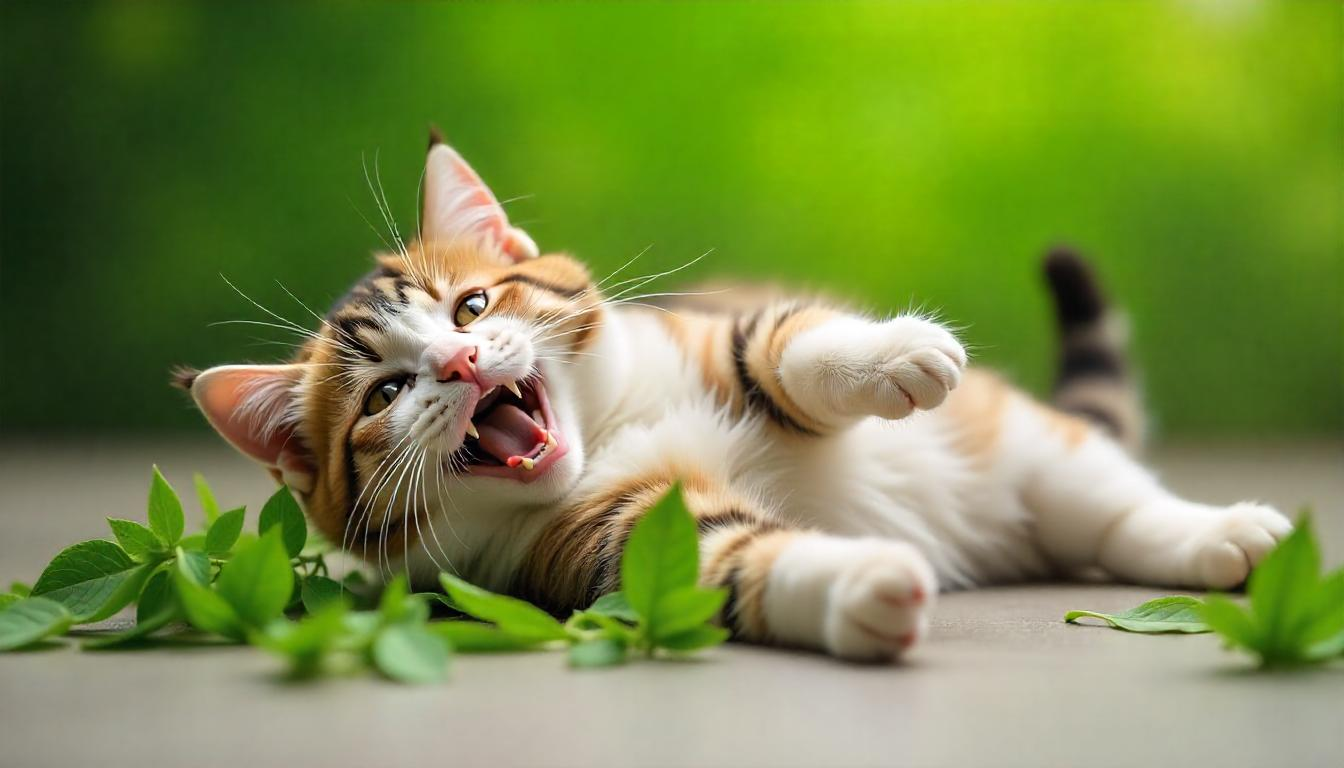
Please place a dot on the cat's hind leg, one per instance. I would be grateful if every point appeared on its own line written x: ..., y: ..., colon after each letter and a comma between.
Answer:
x: 1095, y: 506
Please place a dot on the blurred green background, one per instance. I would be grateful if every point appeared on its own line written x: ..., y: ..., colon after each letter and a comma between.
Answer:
x: 903, y: 154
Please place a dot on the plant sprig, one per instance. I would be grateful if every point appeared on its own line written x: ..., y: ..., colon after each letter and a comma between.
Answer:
x: 1295, y: 614
x: 273, y: 589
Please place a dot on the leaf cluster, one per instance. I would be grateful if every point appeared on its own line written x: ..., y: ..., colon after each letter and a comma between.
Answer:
x: 218, y: 580
x: 273, y: 589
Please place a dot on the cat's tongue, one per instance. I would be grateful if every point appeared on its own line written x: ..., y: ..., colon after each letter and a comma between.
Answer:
x: 506, y: 431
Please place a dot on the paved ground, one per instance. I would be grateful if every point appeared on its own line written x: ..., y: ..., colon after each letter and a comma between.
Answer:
x: 1002, y: 681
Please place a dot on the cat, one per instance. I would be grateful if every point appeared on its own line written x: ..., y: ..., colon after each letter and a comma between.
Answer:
x: 475, y: 406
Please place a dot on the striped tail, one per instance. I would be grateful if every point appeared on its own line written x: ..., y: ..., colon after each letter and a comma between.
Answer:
x: 1094, y: 379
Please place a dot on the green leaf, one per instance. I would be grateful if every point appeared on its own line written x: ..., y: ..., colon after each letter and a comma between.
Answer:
x: 9, y: 599
x: 195, y: 565
x: 223, y: 532
x: 20, y: 589
x: 318, y: 591
x: 138, y: 541
x: 398, y: 606
x: 661, y: 555
x: 258, y: 580
x: 157, y: 597
x: 599, y: 652
x: 410, y: 653
x: 1178, y: 613
x: 475, y: 637
x: 581, y: 625
x: 1327, y: 610
x: 1232, y: 622
x: 194, y: 542
x: 93, y: 579
x: 282, y: 510
x: 157, y: 608
x: 1326, y: 649
x: 1282, y: 589
x: 615, y: 605
x: 209, y: 507
x: 31, y: 619
x: 694, y: 639
x: 306, y: 642
x: 165, y: 510
x: 361, y: 626
x: 205, y: 609
x: 514, y: 616
x: 685, y: 608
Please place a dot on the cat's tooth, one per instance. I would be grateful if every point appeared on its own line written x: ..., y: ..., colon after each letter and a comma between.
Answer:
x: 512, y: 386
x: 550, y: 440
x: 528, y: 464
x: 471, y: 430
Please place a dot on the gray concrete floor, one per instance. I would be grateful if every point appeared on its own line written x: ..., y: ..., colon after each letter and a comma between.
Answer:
x: 1001, y: 682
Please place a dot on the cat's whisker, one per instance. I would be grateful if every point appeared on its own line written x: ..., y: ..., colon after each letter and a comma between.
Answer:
x: 384, y: 556
x: 380, y: 201
x: 429, y: 516
x: 386, y: 245
x: 392, y: 456
x: 409, y: 510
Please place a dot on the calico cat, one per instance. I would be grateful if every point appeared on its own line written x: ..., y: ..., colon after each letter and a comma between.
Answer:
x: 472, y: 405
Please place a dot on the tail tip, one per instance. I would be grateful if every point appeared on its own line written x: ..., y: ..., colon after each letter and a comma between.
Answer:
x: 1078, y: 297
x: 183, y: 377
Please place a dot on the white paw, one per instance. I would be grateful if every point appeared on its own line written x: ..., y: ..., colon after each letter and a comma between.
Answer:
x: 878, y: 606
x: 857, y: 368
x: 1233, y: 543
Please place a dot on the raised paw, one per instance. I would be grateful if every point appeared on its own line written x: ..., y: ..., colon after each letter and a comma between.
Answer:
x: 852, y: 367
x: 1226, y: 550
x: 879, y: 606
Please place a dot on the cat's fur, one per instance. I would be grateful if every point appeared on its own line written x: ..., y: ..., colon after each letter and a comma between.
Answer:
x: 842, y: 468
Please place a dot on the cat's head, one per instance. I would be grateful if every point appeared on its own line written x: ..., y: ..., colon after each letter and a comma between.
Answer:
x: 439, y: 386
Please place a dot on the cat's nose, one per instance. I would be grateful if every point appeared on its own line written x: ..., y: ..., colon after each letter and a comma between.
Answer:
x: 457, y: 365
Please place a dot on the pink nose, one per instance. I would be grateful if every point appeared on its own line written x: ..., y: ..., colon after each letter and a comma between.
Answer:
x: 458, y: 366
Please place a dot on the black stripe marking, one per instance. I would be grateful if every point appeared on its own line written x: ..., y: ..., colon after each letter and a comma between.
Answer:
x: 348, y: 327
x: 733, y: 517
x: 756, y: 396
x: 1089, y: 359
x: 559, y: 290
x: 609, y: 551
x: 730, y: 605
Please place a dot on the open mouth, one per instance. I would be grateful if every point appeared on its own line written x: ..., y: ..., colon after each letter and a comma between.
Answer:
x: 512, y: 433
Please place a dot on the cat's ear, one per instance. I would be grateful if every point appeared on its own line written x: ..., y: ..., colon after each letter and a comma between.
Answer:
x: 254, y: 407
x: 458, y: 206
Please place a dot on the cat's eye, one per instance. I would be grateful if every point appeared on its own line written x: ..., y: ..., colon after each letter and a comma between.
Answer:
x: 470, y: 307
x: 382, y: 396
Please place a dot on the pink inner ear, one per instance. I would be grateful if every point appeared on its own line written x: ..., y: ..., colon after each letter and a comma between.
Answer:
x: 248, y: 406
x: 458, y: 205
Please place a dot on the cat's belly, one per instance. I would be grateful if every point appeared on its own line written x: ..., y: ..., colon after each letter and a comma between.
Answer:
x: 900, y: 480
x: 905, y: 480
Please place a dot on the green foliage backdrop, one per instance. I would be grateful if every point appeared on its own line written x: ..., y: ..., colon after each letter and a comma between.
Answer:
x: 904, y: 154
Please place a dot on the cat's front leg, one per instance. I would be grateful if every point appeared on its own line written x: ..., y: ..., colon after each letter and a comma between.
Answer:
x: 848, y: 367
x: 859, y: 599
